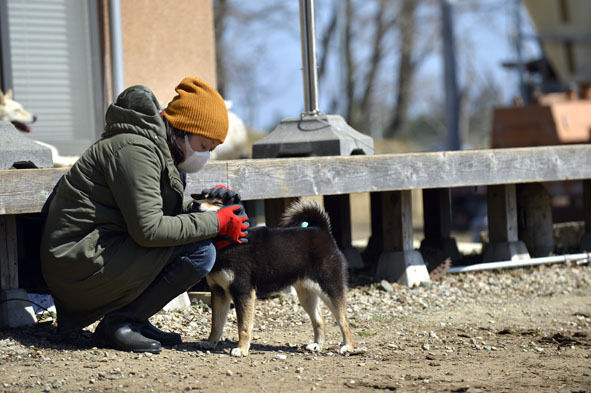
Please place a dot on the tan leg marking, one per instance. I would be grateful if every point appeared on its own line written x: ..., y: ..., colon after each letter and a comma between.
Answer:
x: 338, y: 310
x: 311, y: 304
x: 220, y: 304
x: 245, y: 317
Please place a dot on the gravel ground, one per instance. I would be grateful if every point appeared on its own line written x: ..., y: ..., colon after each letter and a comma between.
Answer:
x: 523, y: 330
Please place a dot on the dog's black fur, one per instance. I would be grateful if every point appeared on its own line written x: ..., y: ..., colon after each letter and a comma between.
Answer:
x: 274, y: 258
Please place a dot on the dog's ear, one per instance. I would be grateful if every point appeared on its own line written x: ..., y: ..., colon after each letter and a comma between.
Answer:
x: 8, y: 95
x: 1, y: 98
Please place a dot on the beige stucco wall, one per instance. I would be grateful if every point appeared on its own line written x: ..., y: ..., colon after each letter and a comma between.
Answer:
x: 164, y: 41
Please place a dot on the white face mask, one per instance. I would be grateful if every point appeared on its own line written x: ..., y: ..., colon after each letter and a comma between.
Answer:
x: 194, y: 160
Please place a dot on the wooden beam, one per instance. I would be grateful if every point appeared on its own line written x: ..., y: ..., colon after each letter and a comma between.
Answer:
x: 25, y: 190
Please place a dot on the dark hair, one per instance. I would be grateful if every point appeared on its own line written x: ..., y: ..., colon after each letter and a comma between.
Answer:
x: 171, y: 136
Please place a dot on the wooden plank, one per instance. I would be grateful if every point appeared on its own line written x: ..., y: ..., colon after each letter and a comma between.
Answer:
x: 8, y: 252
x: 272, y: 178
x: 25, y: 190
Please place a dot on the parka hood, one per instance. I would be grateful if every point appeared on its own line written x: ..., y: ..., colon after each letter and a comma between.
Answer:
x: 136, y: 110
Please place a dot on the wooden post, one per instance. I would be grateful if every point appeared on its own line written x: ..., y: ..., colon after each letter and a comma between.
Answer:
x: 274, y: 209
x: 534, y: 219
x: 586, y: 239
x: 437, y: 226
x: 15, y: 310
x: 502, y: 225
x: 8, y: 252
x: 375, y: 245
x: 338, y: 208
x: 399, y: 261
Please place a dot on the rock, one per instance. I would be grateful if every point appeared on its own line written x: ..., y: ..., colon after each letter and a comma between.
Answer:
x: 386, y: 286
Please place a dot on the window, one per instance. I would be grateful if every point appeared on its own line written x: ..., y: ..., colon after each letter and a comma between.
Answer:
x: 54, y: 75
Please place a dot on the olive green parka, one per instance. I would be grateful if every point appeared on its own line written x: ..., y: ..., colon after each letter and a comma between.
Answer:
x: 116, y: 215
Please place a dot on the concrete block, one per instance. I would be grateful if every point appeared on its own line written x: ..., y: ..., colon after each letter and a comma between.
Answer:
x: 353, y: 257
x: 180, y: 302
x: 16, y: 148
x: 447, y: 247
x: 322, y: 135
x: 406, y: 267
x: 15, y: 309
x: 505, y: 251
x: 586, y: 242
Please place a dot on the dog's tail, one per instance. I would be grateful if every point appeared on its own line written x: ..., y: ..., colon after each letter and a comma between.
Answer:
x: 305, y: 213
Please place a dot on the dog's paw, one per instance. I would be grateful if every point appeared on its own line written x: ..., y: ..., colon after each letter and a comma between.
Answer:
x: 346, y: 349
x: 206, y: 345
x: 314, y: 347
x: 238, y: 352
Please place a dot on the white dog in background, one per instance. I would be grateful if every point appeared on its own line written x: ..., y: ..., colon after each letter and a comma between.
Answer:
x: 12, y: 111
x: 235, y: 145
x: 15, y: 113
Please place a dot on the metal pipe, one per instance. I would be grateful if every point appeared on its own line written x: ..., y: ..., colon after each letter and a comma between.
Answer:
x: 309, y: 67
x: 116, y: 40
x: 452, y: 97
x: 519, y: 51
x: 585, y: 257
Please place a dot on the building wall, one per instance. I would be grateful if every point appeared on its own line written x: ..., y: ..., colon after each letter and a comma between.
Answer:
x: 164, y: 41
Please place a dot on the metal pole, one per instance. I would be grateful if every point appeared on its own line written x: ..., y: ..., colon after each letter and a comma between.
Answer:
x: 116, y: 47
x: 579, y: 258
x: 309, y: 67
x: 518, y: 50
x: 5, y: 61
x: 452, y: 112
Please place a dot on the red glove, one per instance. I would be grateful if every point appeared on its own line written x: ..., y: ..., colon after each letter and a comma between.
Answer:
x: 233, y: 223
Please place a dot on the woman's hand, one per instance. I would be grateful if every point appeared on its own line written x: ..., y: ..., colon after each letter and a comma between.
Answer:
x: 228, y: 196
x: 233, y: 223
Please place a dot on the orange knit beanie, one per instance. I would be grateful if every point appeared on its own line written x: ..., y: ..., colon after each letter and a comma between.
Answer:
x: 199, y: 109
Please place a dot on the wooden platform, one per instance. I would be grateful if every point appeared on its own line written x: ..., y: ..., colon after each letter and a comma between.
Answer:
x: 389, y: 177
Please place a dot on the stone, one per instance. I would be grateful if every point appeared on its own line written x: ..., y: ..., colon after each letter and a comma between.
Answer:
x: 320, y: 135
x: 15, y: 308
x: 18, y: 150
x: 405, y: 267
x: 386, y: 286
x: 180, y: 302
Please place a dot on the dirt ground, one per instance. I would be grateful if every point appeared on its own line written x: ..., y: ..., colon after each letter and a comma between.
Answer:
x: 525, y: 330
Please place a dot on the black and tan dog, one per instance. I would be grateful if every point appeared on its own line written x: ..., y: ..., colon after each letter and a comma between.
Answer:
x: 301, y: 252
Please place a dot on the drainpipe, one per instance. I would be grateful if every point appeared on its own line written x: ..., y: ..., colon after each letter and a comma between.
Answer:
x: 116, y: 47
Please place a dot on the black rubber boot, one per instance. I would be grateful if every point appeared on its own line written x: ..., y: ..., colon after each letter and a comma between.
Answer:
x: 123, y: 335
x: 165, y: 338
x: 128, y: 328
